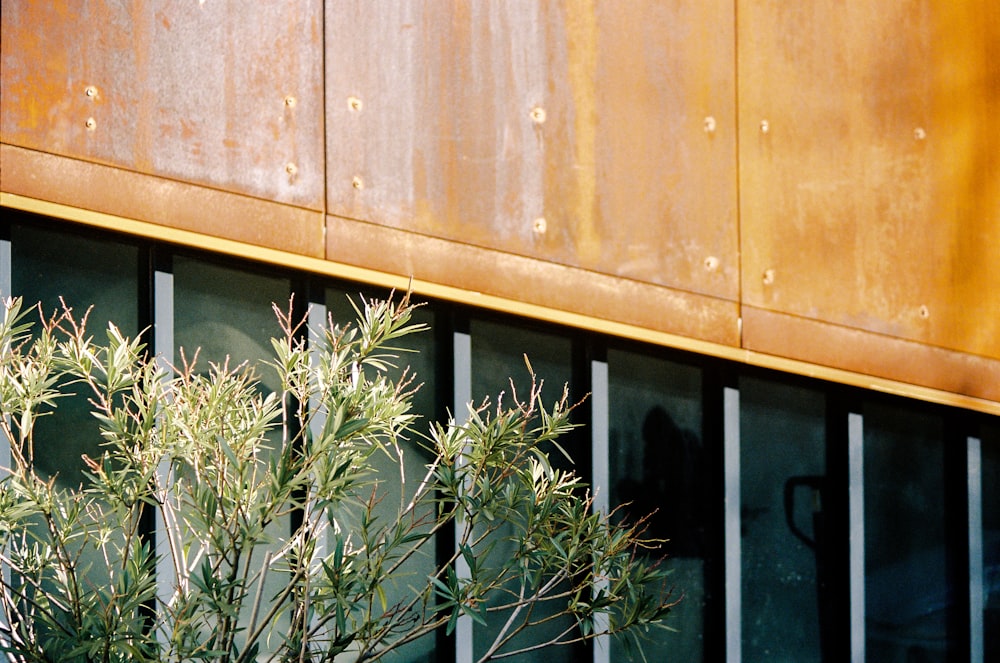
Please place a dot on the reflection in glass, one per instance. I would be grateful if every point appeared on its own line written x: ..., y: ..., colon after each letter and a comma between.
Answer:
x: 782, y: 483
x: 657, y: 466
x: 909, y: 599
x: 497, y: 357
x: 226, y: 313
x: 990, y: 457
x: 84, y: 272
x: 393, y: 486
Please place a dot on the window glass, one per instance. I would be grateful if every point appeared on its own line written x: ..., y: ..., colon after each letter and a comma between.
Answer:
x: 909, y: 599
x: 657, y: 466
x: 227, y: 313
x: 497, y: 357
x: 397, y: 481
x: 84, y: 272
x: 990, y: 451
x: 784, y: 547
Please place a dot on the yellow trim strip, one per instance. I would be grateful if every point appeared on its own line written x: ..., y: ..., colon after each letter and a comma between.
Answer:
x: 491, y: 302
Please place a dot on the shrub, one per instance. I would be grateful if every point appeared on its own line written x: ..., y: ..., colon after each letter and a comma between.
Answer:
x: 274, y: 540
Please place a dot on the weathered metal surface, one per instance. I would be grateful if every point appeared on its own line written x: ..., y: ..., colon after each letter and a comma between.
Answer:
x: 907, y: 362
x: 557, y: 287
x: 870, y: 169
x: 222, y: 93
x: 86, y: 185
x: 579, y: 155
x: 594, y: 135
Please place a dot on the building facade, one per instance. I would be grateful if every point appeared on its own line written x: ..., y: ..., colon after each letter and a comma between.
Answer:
x: 762, y: 238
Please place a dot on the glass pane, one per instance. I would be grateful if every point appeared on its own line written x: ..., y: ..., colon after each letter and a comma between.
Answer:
x: 392, y: 485
x: 908, y: 596
x: 657, y: 462
x: 227, y: 314
x: 84, y: 272
x: 498, y: 353
x: 991, y: 542
x: 782, y: 433
x: 498, y: 356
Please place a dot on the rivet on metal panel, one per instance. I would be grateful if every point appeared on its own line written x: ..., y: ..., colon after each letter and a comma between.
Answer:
x: 91, y: 124
x: 90, y: 91
x: 709, y: 125
x: 919, y: 133
x: 290, y: 101
x: 354, y: 104
x: 291, y: 169
x: 765, y: 126
x: 768, y: 276
x: 924, y: 312
x: 540, y: 225
x: 538, y: 115
x: 357, y: 183
x: 711, y: 263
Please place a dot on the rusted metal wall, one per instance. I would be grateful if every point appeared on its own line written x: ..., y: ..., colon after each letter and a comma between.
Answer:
x: 581, y: 133
x: 870, y: 171
x: 817, y: 181
x: 225, y: 94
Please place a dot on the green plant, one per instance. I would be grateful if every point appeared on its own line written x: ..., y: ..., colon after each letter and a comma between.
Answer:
x: 276, y: 542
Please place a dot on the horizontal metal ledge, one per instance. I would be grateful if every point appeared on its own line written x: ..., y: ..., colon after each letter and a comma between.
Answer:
x: 752, y: 356
x: 164, y: 202
x: 916, y: 365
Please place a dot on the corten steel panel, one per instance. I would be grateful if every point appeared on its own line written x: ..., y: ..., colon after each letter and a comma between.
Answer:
x: 870, y: 199
x: 109, y: 190
x: 909, y: 362
x: 598, y: 136
x: 222, y: 93
x: 532, y: 281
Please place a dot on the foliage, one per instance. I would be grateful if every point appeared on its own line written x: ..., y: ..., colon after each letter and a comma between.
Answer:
x: 274, y: 542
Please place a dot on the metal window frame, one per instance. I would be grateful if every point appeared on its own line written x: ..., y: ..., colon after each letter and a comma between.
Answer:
x: 856, y: 528
x: 601, y: 473
x: 462, y: 381
x: 975, y: 532
x: 163, y: 342
x: 731, y: 525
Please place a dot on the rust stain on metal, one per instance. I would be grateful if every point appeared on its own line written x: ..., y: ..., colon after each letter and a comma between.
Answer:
x: 532, y: 281
x: 581, y: 46
x: 532, y: 143
x: 179, y: 89
x: 478, y: 116
x: 878, y: 200
x: 123, y: 193
x: 867, y: 353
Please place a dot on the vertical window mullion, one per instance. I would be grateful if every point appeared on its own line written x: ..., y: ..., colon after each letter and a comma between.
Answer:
x: 601, y: 474
x: 163, y: 345
x: 462, y: 397
x: 856, y: 524
x: 316, y: 322
x: 733, y: 559
x: 976, y: 598
x: 5, y: 292
x: 5, y: 275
